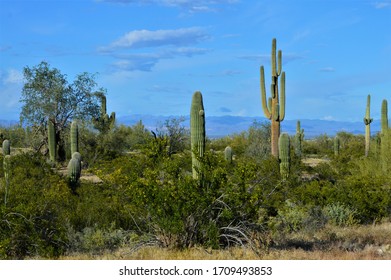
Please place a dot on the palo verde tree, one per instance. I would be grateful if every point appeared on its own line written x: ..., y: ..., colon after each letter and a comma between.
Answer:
x: 47, y: 95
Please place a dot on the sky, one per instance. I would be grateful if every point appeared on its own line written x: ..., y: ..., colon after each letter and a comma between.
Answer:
x: 152, y: 55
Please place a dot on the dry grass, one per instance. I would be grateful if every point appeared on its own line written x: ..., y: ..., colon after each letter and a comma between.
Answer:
x: 332, y: 243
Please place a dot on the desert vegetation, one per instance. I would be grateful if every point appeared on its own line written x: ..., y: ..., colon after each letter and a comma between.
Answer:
x: 174, y: 193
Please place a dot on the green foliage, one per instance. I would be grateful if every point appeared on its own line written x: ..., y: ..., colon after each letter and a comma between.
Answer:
x: 340, y: 215
x: 31, y: 222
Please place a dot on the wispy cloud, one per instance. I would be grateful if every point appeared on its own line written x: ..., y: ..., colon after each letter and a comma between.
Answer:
x: 12, y: 76
x: 193, y: 6
x: 4, y: 48
x: 146, y: 61
x: 382, y: 5
x: 146, y: 38
x: 327, y: 69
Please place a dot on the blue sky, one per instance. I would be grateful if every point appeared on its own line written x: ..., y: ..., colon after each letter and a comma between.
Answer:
x: 151, y: 55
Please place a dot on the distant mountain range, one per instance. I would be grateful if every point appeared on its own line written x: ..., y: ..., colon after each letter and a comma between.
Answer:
x: 228, y: 125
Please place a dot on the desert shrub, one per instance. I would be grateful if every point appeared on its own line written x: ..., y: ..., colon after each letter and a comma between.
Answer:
x: 31, y: 221
x: 95, y: 239
x: 340, y: 214
x: 294, y: 217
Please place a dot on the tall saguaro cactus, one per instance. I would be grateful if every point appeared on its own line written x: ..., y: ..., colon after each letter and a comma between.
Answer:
x: 299, y: 137
x: 367, y: 122
x: 52, y: 140
x: 197, y: 131
x: 74, y: 137
x: 284, y: 155
x: 385, y: 139
x: 337, y: 144
x: 105, y: 122
x: 384, y: 116
x: 274, y: 107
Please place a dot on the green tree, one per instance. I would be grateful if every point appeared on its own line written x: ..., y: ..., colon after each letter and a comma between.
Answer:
x: 47, y: 94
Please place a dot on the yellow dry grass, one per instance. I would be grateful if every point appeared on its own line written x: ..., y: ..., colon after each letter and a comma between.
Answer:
x: 371, y: 242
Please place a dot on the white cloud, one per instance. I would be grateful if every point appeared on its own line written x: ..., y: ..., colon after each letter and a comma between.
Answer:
x: 147, y: 38
x: 193, y: 6
x: 12, y: 76
x: 382, y: 5
x: 327, y: 69
x: 146, y: 61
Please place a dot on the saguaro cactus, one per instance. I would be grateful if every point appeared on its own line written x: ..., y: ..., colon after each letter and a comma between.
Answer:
x: 337, y: 143
x: 74, y: 172
x: 104, y: 123
x: 228, y: 154
x: 197, y: 131
x: 274, y: 107
x: 6, y: 147
x: 52, y: 141
x: 299, y: 137
x: 367, y: 122
x: 7, y: 171
x: 384, y: 116
x: 284, y: 155
x: 74, y: 137
x: 385, y: 138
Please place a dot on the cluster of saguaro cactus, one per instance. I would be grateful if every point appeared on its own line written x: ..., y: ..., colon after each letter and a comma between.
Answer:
x: 299, y: 138
x: 52, y: 141
x: 197, y: 131
x: 367, y: 122
x: 337, y: 144
x: 274, y: 107
x: 74, y: 137
x: 105, y: 122
x: 228, y: 154
x: 284, y: 155
x: 74, y: 170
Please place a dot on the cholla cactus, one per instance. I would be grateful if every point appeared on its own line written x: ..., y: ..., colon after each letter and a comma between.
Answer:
x: 197, y: 131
